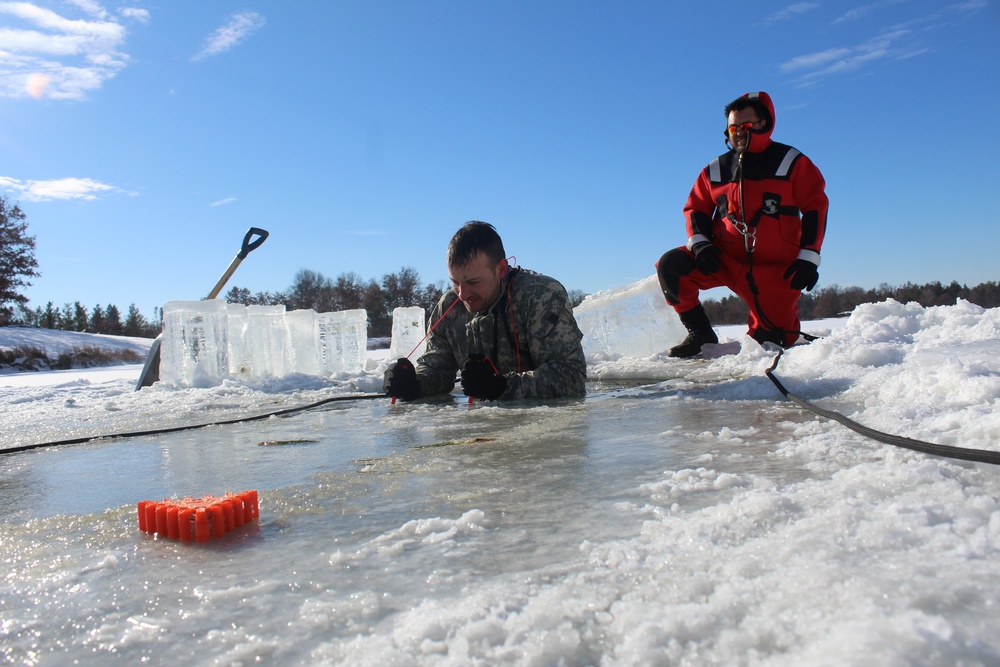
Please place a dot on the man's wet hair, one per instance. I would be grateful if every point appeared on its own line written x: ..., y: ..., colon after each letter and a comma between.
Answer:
x: 473, y: 238
x: 747, y: 102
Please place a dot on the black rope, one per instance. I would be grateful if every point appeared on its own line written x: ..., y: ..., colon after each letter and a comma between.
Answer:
x: 743, y: 228
x: 769, y: 324
x: 963, y: 453
x: 189, y: 427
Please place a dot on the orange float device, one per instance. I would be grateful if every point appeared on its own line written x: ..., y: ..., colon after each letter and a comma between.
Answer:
x: 198, y: 519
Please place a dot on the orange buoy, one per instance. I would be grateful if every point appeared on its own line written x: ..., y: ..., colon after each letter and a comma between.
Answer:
x: 143, y: 525
x: 198, y: 519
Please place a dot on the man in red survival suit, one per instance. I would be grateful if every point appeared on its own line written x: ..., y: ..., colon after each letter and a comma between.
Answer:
x: 756, y: 217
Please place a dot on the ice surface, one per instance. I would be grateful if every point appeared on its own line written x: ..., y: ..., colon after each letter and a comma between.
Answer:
x: 194, y: 351
x: 408, y: 333
x: 240, y: 363
x: 303, y: 342
x: 354, y: 334
x: 695, y: 520
x: 633, y: 321
x: 266, y: 340
x: 330, y: 342
x: 260, y: 343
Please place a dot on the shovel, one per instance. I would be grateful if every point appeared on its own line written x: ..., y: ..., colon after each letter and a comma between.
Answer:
x: 151, y: 369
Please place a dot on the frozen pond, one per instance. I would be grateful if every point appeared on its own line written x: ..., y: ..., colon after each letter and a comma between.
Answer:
x: 432, y: 533
x: 690, y: 517
x: 367, y: 509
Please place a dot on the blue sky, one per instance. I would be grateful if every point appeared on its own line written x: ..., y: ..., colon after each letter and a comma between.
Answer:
x: 143, y: 139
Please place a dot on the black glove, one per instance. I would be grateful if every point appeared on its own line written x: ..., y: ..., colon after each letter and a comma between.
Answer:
x: 804, y: 274
x: 401, y: 381
x: 481, y: 380
x: 707, y: 256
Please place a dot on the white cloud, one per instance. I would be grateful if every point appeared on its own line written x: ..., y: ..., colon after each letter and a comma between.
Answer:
x: 91, y: 7
x: 32, y: 41
x: 47, y: 54
x: 860, y: 12
x: 221, y: 202
x: 61, y: 188
x: 839, y: 60
x: 904, y: 39
x: 790, y: 12
x: 816, y: 60
x: 238, y: 29
x: 141, y: 15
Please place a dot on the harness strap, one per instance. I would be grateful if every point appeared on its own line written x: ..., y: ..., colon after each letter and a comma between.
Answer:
x: 504, y: 311
x: 749, y: 232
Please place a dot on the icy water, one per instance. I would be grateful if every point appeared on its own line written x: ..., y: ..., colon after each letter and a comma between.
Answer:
x: 641, y: 525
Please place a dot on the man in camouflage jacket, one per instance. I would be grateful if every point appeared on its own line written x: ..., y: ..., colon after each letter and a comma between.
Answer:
x: 514, y: 337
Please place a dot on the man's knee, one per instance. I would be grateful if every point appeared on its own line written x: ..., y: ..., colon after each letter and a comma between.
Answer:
x: 673, y: 265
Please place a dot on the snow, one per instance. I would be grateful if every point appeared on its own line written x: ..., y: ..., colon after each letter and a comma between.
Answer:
x: 683, y: 513
x: 53, y: 342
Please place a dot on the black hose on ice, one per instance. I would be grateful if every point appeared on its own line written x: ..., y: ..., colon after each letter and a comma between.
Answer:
x: 174, y: 429
x: 963, y: 453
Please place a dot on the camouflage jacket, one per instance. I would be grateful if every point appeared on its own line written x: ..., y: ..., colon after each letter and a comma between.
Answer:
x: 530, y: 333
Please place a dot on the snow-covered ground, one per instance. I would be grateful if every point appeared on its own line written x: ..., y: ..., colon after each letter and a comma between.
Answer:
x: 682, y: 514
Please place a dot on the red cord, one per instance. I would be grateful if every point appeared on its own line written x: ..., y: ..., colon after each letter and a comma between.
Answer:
x: 429, y: 332
x: 513, y: 324
x: 492, y: 365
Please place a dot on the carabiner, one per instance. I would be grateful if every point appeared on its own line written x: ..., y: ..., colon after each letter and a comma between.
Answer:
x: 749, y: 235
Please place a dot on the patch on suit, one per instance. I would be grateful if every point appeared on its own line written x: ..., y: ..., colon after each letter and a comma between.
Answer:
x: 772, y: 204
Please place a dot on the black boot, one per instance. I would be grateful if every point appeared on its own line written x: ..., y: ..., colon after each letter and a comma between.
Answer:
x: 767, y: 336
x: 699, y: 333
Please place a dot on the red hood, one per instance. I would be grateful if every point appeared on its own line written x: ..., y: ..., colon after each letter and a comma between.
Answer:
x: 761, y: 140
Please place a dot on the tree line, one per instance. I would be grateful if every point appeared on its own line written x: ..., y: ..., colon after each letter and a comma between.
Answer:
x: 309, y: 290
x: 837, y: 301
x: 99, y: 319
x: 349, y: 291
x: 313, y: 290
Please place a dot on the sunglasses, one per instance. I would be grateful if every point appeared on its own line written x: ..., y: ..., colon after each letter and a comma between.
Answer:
x: 741, y: 128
